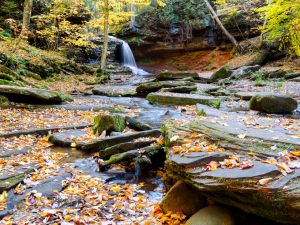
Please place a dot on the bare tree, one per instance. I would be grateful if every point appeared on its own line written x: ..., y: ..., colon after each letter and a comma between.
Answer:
x: 105, y: 38
x: 219, y: 22
x: 26, y: 18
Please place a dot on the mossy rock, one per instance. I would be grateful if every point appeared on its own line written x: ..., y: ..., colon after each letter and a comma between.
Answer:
x: 166, y: 98
x: 108, y: 123
x: 10, y: 83
x: 3, y: 101
x: 6, y: 76
x: 33, y: 75
x: 222, y: 73
x: 8, y: 71
x: 146, y: 88
x: 273, y: 103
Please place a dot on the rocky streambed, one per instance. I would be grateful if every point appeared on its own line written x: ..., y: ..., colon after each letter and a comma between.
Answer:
x: 238, y: 162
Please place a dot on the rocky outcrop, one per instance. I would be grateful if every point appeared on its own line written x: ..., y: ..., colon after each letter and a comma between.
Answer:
x: 33, y: 95
x: 165, y: 98
x: 273, y: 103
x: 239, y: 164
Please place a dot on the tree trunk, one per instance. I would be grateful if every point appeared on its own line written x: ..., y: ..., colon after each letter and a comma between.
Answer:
x: 216, y: 18
x: 105, y: 43
x: 26, y: 18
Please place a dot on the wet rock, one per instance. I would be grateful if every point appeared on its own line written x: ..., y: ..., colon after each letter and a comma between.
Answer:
x: 182, y: 99
x: 3, y: 101
x: 222, y: 73
x: 115, y: 91
x: 184, y: 198
x: 33, y: 95
x: 108, y: 123
x: 211, y: 215
x: 273, y: 103
x: 65, y: 139
x: 137, y: 124
x: 176, y: 75
x: 247, y: 95
x: 149, y: 87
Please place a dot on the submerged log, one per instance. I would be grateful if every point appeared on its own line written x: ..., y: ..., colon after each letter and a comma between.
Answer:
x: 256, y: 184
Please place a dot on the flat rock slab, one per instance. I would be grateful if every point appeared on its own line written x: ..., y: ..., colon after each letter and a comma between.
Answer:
x: 176, y: 75
x: 206, y: 88
x: 181, y: 99
x: 248, y: 95
x: 33, y: 95
x: 115, y: 91
x: 65, y: 139
x: 263, y: 188
x: 146, y: 88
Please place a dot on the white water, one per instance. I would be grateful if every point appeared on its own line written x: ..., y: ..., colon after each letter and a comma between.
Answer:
x: 128, y: 59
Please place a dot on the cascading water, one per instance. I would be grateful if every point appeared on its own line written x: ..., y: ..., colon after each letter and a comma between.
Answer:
x: 127, y: 58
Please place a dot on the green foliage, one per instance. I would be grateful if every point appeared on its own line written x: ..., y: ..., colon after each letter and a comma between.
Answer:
x: 283, y: 24
x: 135, y: 40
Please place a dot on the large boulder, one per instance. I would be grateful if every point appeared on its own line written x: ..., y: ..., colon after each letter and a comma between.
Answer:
x: 273, y: 103
x: 165, y: 98
x: 33, y: 95
x: 146, y: 88
x: 176, y: 75
x: 183, y: 198
x: 247, y: 95
x: 108, y: 123
x: 222, y: 73
x: 211, y: 215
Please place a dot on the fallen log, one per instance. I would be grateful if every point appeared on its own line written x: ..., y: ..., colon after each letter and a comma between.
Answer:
x: 123, y: 147
x: 43, y: 131
x: 99, y: 144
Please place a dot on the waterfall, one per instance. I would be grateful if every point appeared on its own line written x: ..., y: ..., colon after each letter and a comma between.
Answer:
x: 127, y: 55
x: 127, y: 58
